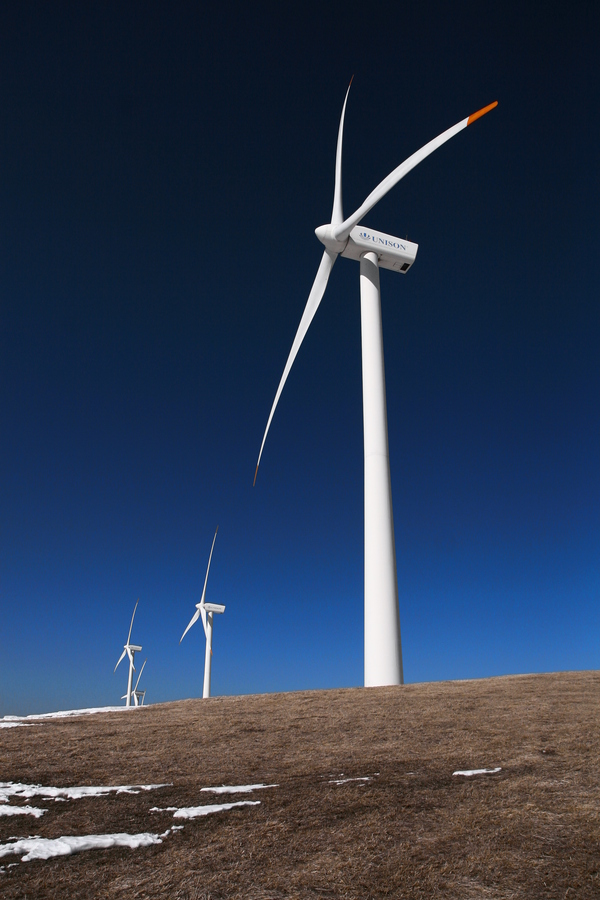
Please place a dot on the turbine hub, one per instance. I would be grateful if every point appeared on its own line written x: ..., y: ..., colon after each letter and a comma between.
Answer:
x: 325, y: 235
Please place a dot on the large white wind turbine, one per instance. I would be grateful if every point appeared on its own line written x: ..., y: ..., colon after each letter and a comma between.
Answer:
x: 383, y: 649
x: 129, y: 650
x: 206, y: 610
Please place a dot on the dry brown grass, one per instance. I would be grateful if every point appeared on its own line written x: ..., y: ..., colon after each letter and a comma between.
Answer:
x: 414, y: 831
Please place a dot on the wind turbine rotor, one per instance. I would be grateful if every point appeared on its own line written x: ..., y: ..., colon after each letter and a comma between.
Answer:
x: 336, y: 237
x: 200, y: 606
x: 121, y: 658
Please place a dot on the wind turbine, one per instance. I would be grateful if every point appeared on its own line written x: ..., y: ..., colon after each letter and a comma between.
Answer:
x: 129, y: 650
x: 138, y: 696
x: 374, y: 250
x: 206, y: 610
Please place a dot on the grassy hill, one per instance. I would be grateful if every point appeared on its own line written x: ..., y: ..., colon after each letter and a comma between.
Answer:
x: 366, y: 803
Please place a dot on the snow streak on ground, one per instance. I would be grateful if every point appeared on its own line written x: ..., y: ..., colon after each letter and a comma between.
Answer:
x: 192, y: 812
x: 469, y: 772
x: 15, y: 724
x: 44, y: 848
x: 61, y: 714
x: 346, y: 780
x: 6, y: 810
x: 238, y: 788
x: 14, y: 789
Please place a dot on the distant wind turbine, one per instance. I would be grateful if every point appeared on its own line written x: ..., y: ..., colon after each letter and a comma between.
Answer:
x: 383, y: 648
x: 138, y: 696
x: 129, y: 650
x: 206, y: 610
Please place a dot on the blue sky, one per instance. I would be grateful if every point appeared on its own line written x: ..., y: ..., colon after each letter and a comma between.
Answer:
x: 162, y: 171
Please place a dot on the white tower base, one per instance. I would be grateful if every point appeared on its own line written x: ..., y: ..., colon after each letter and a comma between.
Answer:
x: 383, y: 648
x: 207, y: 656
x: 129, y: 683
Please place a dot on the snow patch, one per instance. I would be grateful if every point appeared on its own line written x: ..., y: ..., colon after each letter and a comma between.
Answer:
x: 469, y: 772
x: 45, y: 848
x: 238, y: 788
x: 15, y: 724
x: 14, y: 789
x: 6, y: 810
x: 346, y: 780
x: 192, y: 812
x: 64, y: 713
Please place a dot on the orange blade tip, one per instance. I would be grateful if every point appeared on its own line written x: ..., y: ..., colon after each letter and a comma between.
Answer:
x: 481, y: 112
x: 255, y: 474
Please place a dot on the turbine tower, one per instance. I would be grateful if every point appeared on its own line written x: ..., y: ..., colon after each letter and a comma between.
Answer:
x: 206, y: 610
x: 138, y: 696
x: 129, y: 650
x: 374, y: 250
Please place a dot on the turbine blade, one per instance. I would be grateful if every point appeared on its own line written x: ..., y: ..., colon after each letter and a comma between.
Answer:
x: 342, y: 231
x: 312, y: 305
x: 192, y: 621
x: 337, y: 213
x: 130, y: 655
x: 121, y: 658
x: 481, y: 112
x: 140, y: 675
x: 202, y: 611
x: 208, y: 566
x: 132, y: 618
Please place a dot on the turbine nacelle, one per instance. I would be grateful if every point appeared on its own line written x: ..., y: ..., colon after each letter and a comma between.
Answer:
x: 393, y: 253
x: 204, y: 608
x: 214, y: 607
x: 128, y: 650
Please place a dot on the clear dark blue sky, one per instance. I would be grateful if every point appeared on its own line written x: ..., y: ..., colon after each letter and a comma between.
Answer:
x: 162, y: 170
